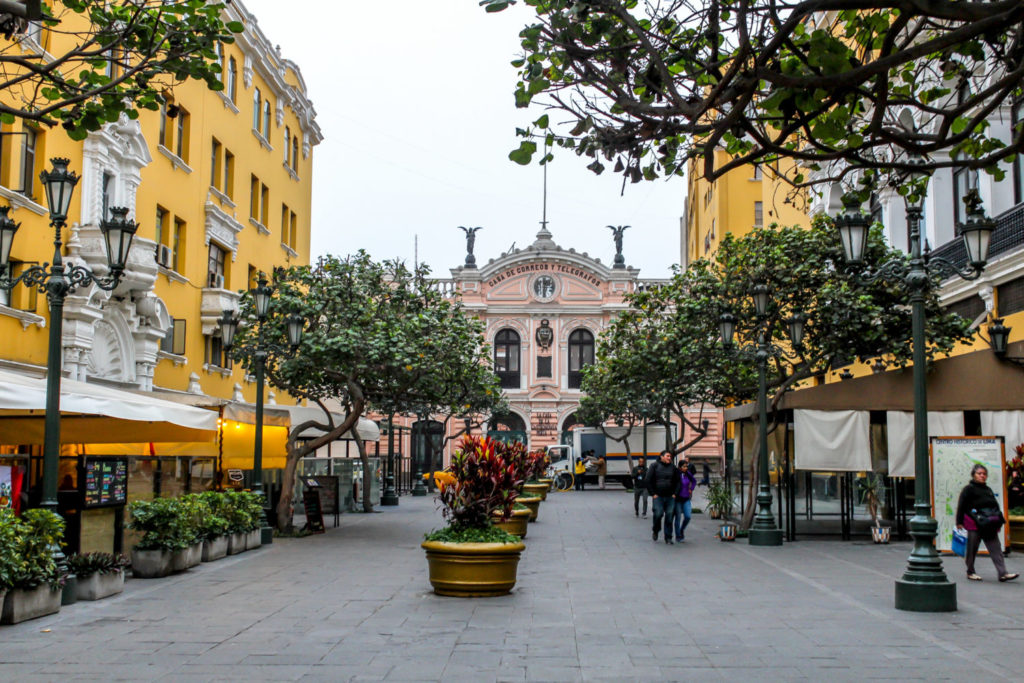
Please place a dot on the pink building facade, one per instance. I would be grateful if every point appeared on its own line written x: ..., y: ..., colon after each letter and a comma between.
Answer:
x: 544, y: 307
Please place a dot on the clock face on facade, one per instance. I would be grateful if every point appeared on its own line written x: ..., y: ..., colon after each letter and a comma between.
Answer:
x: 544, y: 288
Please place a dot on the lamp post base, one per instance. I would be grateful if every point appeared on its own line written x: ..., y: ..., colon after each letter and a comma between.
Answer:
x: 266, y: 535
x: 765, y: 537
x: 917, y: 596
x: 390, y: 496
x: 419, y: 488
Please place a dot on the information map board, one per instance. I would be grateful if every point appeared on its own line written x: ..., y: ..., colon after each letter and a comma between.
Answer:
x: 952, y: 458
x: 106, y: 481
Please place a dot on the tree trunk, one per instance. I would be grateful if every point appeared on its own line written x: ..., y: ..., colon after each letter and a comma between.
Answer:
x: 368, y: 475
x: 750, y: 509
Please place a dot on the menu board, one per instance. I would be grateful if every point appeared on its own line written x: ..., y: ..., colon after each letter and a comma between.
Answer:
x: 106, y: 481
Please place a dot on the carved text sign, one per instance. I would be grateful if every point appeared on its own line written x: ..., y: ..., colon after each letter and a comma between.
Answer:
x: 544, y: 267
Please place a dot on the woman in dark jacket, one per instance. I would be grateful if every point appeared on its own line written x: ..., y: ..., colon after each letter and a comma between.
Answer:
x: 977, y: 496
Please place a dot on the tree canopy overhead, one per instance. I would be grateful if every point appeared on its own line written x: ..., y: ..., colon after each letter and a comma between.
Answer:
x: 100, y: 59
x: 645, y: 86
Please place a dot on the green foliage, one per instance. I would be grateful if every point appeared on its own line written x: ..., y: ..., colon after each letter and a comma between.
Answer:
x: 212, y: 522
x: 1017, y: 511
x: 647, y: 87
x: 154, y: 44
x: 719, y: 498
x: 483, y: 479
x: 97, y: 563
x: 163, y: 525
x: 26, y: 548
x: 242, y: 511
x: 485, y: 534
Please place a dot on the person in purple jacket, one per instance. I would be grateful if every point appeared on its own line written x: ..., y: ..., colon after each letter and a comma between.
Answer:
x: 687, y: 483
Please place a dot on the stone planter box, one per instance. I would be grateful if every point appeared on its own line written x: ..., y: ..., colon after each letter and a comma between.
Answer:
x: 253, y: 540
x: 214, y: 548
x: 194, y: 555
x: 22, y: 604
x: 179, y: 560
x: 97, y: 586
x: 151, y: 564
x: 236, y: 543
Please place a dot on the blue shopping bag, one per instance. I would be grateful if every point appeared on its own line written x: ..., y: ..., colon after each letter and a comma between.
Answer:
x: 960, y: 542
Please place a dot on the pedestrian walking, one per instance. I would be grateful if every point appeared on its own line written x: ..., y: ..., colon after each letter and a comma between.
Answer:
x: 978, y: 511
x: 663, y: 482
x: 640, y: 485
x: 705, y: 479
x: 602, y: 469
x: 683, y: 509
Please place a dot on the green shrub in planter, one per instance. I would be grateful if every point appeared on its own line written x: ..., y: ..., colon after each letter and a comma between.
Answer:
x: 35, y: 534
x: 162, y: 522
x: 97, y: 563
x: 212, y: 523
x: 242, y: 511
x: 9, y: 531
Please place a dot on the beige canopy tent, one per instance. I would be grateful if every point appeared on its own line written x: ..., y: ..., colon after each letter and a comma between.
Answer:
x: 92, y: 413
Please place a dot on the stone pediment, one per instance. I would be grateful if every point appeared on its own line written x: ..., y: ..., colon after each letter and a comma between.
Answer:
x: 511, y: 290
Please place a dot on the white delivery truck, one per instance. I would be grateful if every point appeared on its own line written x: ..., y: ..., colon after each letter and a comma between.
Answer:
x: 564, y: 458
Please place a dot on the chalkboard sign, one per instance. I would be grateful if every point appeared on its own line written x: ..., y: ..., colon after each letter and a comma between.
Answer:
x: 314, y: 514
x: 106, y: 482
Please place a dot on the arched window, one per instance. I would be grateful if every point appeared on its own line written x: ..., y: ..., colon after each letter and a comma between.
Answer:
x: 506, y: 358
x: 581, y: 354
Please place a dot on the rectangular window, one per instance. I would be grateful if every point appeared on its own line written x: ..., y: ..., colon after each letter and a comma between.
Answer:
x: 252, y: 278
x: 174, y: 340
x: 544, y: 366
x: 107, y: 189
x: 162, y: 224
x: 254, y: 198
x: 22, y: 297
x: 232, y: 86
x: 964, y: 180
x: 757, y: 172
x: 758, y: 214
x: 969, y: 308
x: 264, y: 205
x: 266, y: 118
x: 215, y: 355
x: 181, y: 148
x: 257, y: 107
x: 228, y: 184
x: 216, y: 170
x: 287, y: 146
x: 178, y: 246
x: 164, y: 131
x: 215, y: 269
x: 28, y: 162
x: 295, y: 152
x: 285, y: 223
x: 294, y: 232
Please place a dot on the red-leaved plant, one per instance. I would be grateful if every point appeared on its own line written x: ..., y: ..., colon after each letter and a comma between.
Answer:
x: 483, y: 480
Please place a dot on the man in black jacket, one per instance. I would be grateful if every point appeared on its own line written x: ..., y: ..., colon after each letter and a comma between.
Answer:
x: 662, y: 483
x: 640, y: 485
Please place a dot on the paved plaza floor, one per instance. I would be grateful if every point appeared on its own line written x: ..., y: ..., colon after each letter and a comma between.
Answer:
x: 596, y: 600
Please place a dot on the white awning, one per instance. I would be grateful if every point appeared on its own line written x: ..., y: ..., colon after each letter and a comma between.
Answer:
x: 900, y: 436
x: 832, y: 440
x: 23, y: 407
x: 367, y: 429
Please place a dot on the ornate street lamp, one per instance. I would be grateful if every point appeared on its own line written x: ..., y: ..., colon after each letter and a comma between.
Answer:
x: 924, y: 586
x: 294, y: 325
x: 57, y: 281
x: 1000, y: 336
x: 763, y: 531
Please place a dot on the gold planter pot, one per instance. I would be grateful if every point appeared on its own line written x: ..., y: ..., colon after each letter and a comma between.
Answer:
x: 532, y: 502
x: 1016, y: 529
x: 550, y: 483
x: 536, y: 490
x: 472, y: 570
x: 516, y: 524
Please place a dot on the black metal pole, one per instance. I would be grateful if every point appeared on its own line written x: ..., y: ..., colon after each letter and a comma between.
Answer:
x: 390, y: 495
x: 763, y: 531
x: 924, y: 586
x: 266, y: 533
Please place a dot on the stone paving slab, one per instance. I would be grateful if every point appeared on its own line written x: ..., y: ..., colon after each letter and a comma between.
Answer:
x: 596, y: 600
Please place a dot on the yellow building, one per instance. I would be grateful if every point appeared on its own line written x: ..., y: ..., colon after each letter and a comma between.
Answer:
x: 220, y: 183
x: 743, y: 199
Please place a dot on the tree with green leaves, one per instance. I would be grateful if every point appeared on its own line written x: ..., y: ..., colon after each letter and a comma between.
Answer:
x: 102, y: 59
x: 379, y: 337
x: 647, y: 86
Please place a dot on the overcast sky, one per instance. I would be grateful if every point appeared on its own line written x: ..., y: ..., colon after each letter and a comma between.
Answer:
x: 414, y: 98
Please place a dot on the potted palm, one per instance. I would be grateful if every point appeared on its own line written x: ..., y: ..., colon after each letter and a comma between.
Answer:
x: 99, y: 574
x: 471, y: 557
x: 871, y: 491
x: 33, y: 580
x: 719, y: 500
